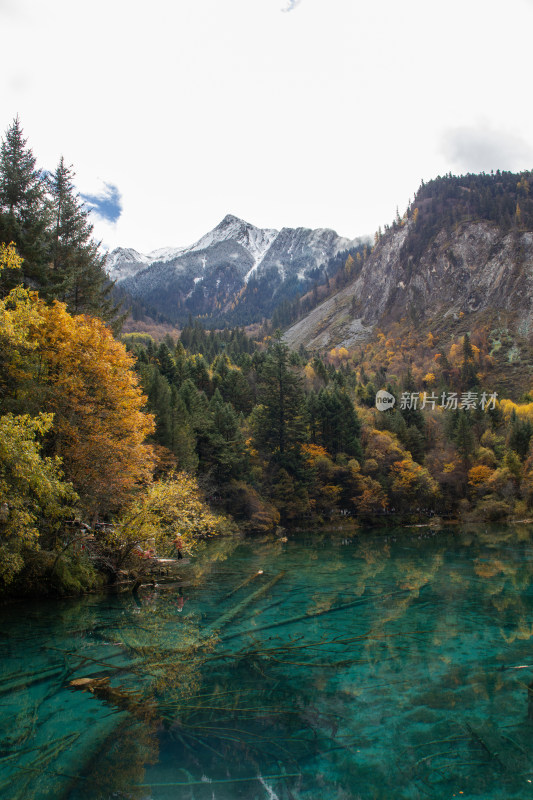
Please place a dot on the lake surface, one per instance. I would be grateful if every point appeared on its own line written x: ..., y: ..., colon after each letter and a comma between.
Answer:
x: 384, y: 665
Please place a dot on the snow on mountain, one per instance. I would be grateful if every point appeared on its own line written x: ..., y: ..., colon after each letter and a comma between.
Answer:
x: 163, y: 254
x: 123, y: 262
x: 235, y: 263
x: 300, y: 250
x: 255, y: 240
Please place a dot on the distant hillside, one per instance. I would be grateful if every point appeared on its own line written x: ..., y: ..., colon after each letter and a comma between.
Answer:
x: 236, y: 274
x: 462, y: 251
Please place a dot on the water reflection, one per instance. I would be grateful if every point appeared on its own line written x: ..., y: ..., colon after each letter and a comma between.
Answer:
x: 393, y: 665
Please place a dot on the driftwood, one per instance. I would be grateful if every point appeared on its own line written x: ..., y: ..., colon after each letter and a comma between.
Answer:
x: 225, y: 780
x: 311, y: 615
x: 243, y: 584
x: 509, y: 755
x: 230, y: 615
x: 23, y: 680
x: 117, y: 696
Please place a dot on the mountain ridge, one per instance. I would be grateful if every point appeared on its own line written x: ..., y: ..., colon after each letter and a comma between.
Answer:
x: 234, y: 264
x: 463, y: 248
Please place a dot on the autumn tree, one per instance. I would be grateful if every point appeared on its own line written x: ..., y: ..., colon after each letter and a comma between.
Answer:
x: 100, y: 426
x: 34, y: 498
x: 168, y: 507
x: 73, y: 368
x: 412, y: 485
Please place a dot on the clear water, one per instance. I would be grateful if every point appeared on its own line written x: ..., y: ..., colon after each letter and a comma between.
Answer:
x: 384, y: 666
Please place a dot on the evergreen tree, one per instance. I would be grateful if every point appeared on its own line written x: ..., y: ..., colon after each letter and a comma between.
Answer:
x: 520, y: 435
x: 463, y: 436
x: 468, y: 371
x: 158, y: 393
x: 22, y: 213
x: 77, y: 275
x: 282, y: 430
x: 339, y: 428
x: 199, y: 373
x: 183, y: 439
x: 226, y: 443
x: 166, y: 363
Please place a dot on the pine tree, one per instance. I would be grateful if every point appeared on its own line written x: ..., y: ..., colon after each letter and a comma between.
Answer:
x: 158, y: 392
x: 281, y: 395
x: 22, y: 213
x: 167, y: 367
x: 77, y: 275
x: 339, y: 427
x: 226, y: 443
x: 183, y: 442
x: 468, y: 370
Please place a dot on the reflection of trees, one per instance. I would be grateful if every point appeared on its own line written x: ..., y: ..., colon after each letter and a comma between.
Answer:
x: 306, y: 652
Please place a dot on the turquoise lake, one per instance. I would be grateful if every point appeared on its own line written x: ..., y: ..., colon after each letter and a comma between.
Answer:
x: 385, y: 664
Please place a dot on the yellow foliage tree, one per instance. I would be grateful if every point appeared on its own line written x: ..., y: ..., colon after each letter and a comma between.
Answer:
x: 412, y: 482
x: 34, y: 499
x: 88, y: 382
x: 167, y: 508
x: 73, y: 368
x: 479, y: 475
x: 9, y: 258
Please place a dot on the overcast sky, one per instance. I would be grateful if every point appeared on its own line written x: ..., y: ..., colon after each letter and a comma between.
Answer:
x: 319, y: 113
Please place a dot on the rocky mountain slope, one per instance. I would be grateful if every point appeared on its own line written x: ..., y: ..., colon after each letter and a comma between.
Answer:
x: 455, y: 256
x: 236, y: 273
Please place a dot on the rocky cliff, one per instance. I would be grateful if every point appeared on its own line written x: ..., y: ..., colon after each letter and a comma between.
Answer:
x: 460, y: 267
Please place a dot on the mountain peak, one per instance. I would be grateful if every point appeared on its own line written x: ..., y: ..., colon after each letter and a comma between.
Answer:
x: 231, y: 219
x: 211, y: 275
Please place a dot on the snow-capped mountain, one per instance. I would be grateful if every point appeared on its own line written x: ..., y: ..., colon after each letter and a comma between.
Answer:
x: 255, y: 241
x: 123, y: 262
x: 235, y: 264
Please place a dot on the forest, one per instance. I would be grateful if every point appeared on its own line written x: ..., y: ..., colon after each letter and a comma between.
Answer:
x: 213, y: 432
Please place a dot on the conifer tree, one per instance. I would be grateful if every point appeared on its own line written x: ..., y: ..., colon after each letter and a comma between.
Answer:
x: 339, y: 427
x: 468, y: 369
x: 281, y: 394
x: 183, y: 441
x: 226, y: 444
x: 77, y: 275
x: 167, y: 367
x: 22, y: 213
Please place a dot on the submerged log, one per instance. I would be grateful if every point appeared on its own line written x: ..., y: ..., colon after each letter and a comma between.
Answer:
x: 27, y: 679
x: 119, y: 697
x: 243, y: 584
x: 313, y: 615
x: 230, y: 615
x: 508, y: 754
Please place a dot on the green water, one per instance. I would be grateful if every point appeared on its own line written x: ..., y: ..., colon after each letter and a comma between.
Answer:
x: 381, y: 666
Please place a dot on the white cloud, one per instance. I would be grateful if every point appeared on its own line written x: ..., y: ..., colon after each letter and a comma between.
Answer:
x: 481, y: 147
x: 292, y: 5
x: 327, y: 117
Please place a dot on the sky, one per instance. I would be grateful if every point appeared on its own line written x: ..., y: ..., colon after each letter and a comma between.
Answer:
x: 287, y: 113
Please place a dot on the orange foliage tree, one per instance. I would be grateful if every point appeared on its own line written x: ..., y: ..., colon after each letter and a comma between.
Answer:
x: 87, y: 381
x: 412, y: 483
